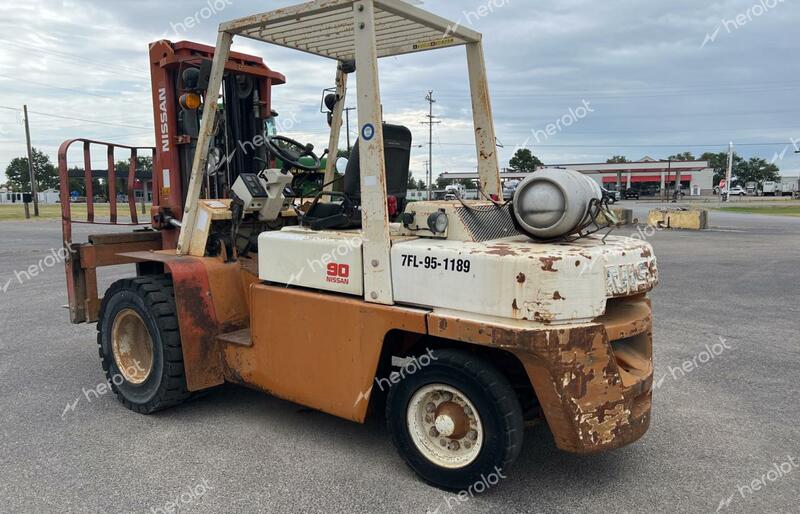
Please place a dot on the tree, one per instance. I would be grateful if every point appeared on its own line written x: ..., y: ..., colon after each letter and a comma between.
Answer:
x: 757, y: 170
x: 524, y: 161
x: 617, y: 159
x: 143, y: 163
x: 422, y: 185
x: 412, y: 182
x: 685, y: 156
x: 719, y: 161
x: 19, y: 177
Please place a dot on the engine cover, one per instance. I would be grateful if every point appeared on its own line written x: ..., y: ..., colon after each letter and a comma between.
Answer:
x: 515, y: 278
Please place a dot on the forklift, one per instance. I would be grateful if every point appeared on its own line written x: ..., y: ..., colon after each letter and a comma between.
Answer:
x: 465, y: 320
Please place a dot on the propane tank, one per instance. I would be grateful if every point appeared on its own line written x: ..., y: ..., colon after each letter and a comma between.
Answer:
x: 554, y: 203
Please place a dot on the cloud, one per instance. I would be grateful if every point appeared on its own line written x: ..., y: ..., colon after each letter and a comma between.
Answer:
x: 639, y: 63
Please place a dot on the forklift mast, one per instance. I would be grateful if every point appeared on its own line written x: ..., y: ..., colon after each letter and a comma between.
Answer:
x: 181, y: 69
x: 179, y: 73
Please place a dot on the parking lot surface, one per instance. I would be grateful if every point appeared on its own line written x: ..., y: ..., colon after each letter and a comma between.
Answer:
x: 725, y: 433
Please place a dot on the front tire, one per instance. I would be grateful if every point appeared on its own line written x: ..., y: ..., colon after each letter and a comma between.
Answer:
x: 140, y: 345
x: 456, y: 421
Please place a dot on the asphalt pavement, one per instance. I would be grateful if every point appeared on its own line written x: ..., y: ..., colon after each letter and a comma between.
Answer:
x: 725, y: 433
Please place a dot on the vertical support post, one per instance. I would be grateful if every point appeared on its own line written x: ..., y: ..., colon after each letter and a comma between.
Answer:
x: 112, y: 184
x: 375, y: 211
x: 132, y: 185
x: 336, y: 126
x: 729, y: 174
x: 221, y: 53
x: 485, y: 142
x: 31, y: 172
x: 88, y: 178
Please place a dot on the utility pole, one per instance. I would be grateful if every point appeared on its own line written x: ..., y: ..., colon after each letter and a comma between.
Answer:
x: 729, y: 174
x: 31, y: 173
x: 430, y: 124
x: 347, y: 127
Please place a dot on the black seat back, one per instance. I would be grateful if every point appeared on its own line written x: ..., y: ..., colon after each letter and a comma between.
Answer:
x: 397, y: 150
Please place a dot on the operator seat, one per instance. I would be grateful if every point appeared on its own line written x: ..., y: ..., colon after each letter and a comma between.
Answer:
x: 347, y: 213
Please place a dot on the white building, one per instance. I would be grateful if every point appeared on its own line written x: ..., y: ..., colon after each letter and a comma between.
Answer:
x: 44, y: 197
x: 648, y: 175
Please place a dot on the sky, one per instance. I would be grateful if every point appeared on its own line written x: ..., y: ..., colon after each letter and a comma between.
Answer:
x: 623, y: 77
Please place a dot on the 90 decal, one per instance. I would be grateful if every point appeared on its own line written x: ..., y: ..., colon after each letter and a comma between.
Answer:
x: 338, y: 273
x: 436, y: 263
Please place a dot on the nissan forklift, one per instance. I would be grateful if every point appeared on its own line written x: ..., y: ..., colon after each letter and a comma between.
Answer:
x: 463, y: 319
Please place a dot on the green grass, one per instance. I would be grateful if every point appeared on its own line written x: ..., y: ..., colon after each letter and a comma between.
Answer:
x: 16, y: 212
x: 771, y: 210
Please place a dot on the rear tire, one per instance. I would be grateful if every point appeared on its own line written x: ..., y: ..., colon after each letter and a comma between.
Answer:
x: 140, y: 344
x: 464, y: 402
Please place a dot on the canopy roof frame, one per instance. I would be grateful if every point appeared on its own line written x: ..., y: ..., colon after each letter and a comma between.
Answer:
x: 312, y: 27
x: 355, y: 32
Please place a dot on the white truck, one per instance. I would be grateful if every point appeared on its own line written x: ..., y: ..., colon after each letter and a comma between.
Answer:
x: 771, y: 188
x: 788, y: 186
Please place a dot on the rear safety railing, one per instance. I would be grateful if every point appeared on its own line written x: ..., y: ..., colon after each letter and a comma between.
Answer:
x: 111, y: 184
x: 103, y: 249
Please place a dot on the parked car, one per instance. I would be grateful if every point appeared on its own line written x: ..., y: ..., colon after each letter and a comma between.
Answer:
x: 611, y: 196
x: 737, y: 191
x: 631, y: 194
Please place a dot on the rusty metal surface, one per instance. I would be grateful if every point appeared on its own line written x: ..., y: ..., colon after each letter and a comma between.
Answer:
x: 575, y: 372
x: 211, y: 299
x: 316, y: 349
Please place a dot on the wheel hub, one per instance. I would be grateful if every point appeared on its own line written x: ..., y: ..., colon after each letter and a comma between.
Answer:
x: 132, y: 346
x: 445, y: 426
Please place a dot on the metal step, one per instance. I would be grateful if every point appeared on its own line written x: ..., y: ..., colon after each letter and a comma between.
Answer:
x: 239, y: 338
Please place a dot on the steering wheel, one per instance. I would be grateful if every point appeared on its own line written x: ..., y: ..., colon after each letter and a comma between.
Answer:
x: 290, y: 152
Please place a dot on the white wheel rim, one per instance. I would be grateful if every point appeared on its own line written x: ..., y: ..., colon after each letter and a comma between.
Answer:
x: 445, y: 426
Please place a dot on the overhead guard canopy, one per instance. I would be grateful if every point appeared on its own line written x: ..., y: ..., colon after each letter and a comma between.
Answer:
x: 327, y: 28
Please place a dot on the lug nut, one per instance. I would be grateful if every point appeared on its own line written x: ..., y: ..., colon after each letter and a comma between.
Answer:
x: 453, y: 446
x: 473, y: 435
x: 443, y: 442
x: 434, y: 432
x: 430, y: 407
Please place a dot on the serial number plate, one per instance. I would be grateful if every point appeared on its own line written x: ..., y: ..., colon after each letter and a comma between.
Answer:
x: 437, y: 263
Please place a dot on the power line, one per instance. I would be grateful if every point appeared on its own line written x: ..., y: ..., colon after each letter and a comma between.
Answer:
x: 78, y: 119
x: 49, y: 86
x: 67, y: 56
